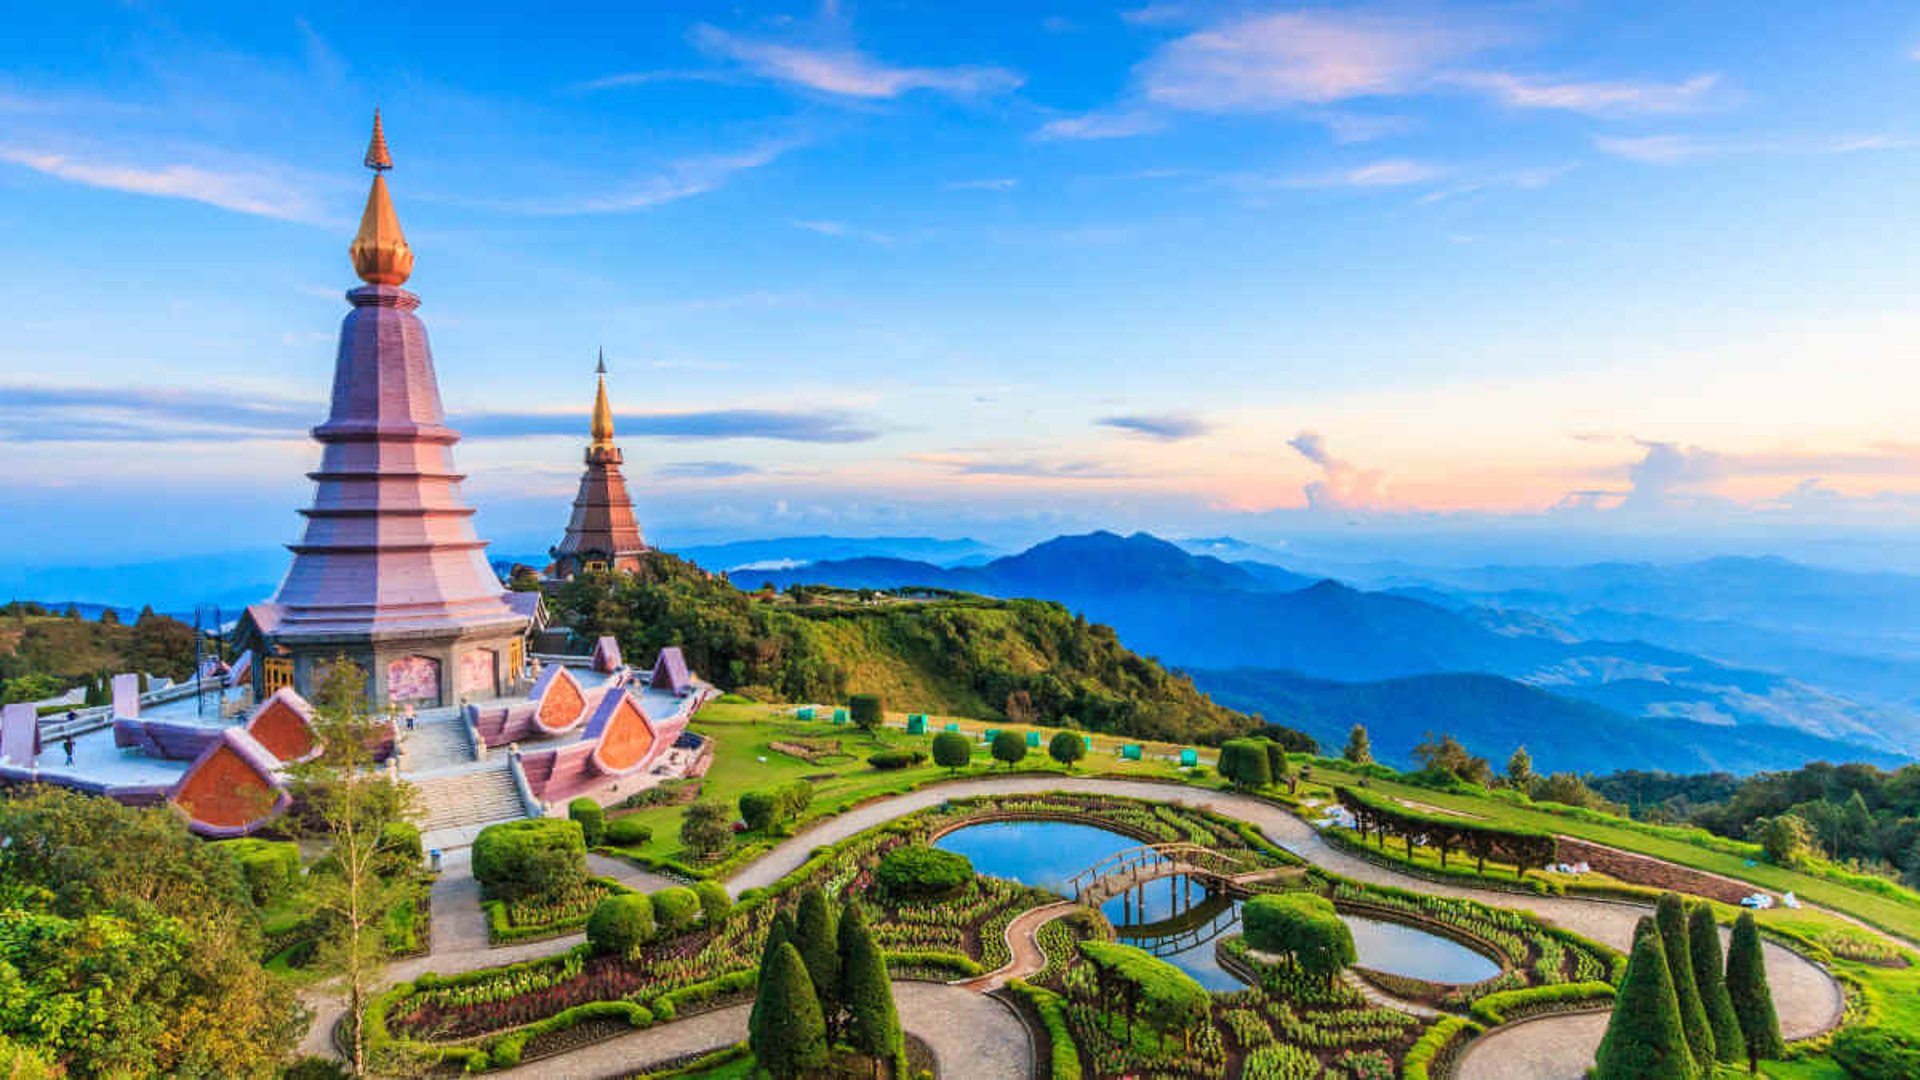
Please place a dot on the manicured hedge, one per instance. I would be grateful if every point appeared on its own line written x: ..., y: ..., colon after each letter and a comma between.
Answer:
x: 1877, y: 1053
x: 676, y: 907
x: 865, y: 710
x: 919, y: 870
x: 673, y: 1003
x: 1498, y: 1008
x: 592, y: 818
x: 1065, y: 1061
x: 270, y: 868
x: 627, y: 832
x: 531, y: 857
x: 1302, y: 926
x: 621, y: 923
x: 1526, y: 849
x: 505, y: 1052
x: 714, y: 901
x: 1422, y: 1056
x: 769, y: 810
x: 888, y: 760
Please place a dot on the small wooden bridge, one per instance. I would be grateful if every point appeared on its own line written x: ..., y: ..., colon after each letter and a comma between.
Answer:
x: 1125, y: 870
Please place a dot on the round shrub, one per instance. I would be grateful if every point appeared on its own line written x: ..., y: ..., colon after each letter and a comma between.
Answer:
x: 269, y: 867
x: 952, y: 750
x: 620, y: 923
x: 769, y: 810
x: 676, y: 908
x: 534, y: 857
x: 1301, y: 926
x: 627, y: 832
x: 592, y: 819
x: 919, y: 870
x: 1245, y: 762
x: 1009, y: 747
x: 714, y: 901
x: 896, y: 759
x: 1067, y: 747
x: 865, y: 711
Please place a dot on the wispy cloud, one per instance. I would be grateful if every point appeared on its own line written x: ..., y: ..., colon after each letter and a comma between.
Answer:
x: 682, y: 179
x: 1677, y: 149
x: 707, y: 470
x: 1523, y: 179
x: 1594, y: 98
x: 1285, y: 59
x: 31, y: 413
x: 1029, y: 468
x: 843, y: 230
x: 1122, y: 124
x: 1389, y: 173
x: 647, y: 78
x: 1166, y: 427
x: 1349, y: 127
x: 242, y: 189
x: 847, y: 72
x: 998, y: 184
x: 820, y: 426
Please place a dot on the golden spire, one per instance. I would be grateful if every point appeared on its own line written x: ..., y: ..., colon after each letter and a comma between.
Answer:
x: 380, y: 252
x: 602, y: 412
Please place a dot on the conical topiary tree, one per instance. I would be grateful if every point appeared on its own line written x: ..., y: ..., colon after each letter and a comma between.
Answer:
x: 817, y: 939
x: 790, y: 1040
x: 1710, y: 973
x: 1752, y: 998
x: 873, y: 1025
x: 1644, y: 1040
x: 778, y: 934
x: 1670, y: 915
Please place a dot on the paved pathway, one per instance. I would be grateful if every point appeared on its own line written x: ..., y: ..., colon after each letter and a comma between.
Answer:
x: 972, y: 1036
x: 1808, y: 1000
x: 1028, y: 957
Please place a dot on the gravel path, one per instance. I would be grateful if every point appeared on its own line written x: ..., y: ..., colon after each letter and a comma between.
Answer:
x: 972, y: 1037
x: 1028, y: 957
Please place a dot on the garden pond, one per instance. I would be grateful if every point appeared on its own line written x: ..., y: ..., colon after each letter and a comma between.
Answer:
x: 1174, y: 918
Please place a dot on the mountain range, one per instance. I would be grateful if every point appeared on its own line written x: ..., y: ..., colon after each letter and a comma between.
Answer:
x: 1308, y: 652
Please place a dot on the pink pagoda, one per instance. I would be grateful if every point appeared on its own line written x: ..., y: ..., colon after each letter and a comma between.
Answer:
x: 602, y: 534
x: 390, y: 572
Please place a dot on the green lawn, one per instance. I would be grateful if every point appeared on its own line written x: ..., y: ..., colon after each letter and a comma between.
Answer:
x: 1890, y: 914
x: 744, y: 760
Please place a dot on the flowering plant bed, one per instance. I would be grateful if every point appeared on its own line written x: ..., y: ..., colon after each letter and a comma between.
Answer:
x: 535, y: 917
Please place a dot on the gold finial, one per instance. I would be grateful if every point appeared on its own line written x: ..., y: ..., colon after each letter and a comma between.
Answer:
x: 380, y: 252
x: 602, y: 412
x: 377, y: 157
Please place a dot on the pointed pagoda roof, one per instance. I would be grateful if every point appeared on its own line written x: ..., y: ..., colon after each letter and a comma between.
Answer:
x: 389, y: 545
x: 603, y: 528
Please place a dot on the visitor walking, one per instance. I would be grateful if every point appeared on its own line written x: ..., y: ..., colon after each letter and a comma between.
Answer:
x: 67, y: 745
x: 409, y: 718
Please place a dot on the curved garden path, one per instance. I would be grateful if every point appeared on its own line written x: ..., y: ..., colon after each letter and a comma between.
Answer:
x: 962, y: 1025
x: 1808, y: 1000
x: 971, y: 1036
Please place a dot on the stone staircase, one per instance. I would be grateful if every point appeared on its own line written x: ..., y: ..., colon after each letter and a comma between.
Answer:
x: 436, y: 742
x: 467, y: 798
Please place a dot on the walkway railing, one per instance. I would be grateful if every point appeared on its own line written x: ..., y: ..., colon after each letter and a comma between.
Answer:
x: 1124, y: 869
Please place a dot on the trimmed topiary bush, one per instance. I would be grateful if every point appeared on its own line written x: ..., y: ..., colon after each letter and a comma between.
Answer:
x: 1245, y: 762
x: 534, y: 857
x: 865, y: 710
x: 676, y: 908
x: 1009, y: 748
x: 621, y: 923
x: 592, y: 819
x: 896, y: 759
x: 919, y: 870
x: 1302, y: 926
x: 627, y: 832
x: 1645, y: 1039
x: 270, y: 868
x: 770, y: 810
x: 952, y: 750
x: 714, y: 901
x: 1067, y: 747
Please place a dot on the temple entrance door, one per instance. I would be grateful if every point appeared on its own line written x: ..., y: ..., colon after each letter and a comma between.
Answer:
x: 477, y: 678
x: 414, y: 680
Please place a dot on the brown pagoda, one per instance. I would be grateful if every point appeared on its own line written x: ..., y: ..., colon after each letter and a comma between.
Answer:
x: 602, y: 535
x: 390, y: 573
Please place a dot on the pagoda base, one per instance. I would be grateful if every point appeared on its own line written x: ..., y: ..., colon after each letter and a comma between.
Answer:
x: 426, y: 668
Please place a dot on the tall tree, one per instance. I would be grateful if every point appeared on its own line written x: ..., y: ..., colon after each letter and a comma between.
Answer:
x: 1670, y: 915
x: 351, y: 801
x: 791, y: 1041
x: 1752, y: 998
x: 778, y: 934
x: 1520, y: 769
x: 1644, y: 1040
x: 817, y: 938
x: 873, y: 1025
x: 1710, y: 972
x: 1359, y: 747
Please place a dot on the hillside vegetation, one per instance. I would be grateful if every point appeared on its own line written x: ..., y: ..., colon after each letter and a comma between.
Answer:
x: 43, y: 653
x: 1022, y: 660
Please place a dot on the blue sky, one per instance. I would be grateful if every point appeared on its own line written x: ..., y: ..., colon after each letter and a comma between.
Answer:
x: 1533, y: 269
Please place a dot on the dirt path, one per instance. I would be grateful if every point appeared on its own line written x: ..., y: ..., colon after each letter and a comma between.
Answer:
x: 1024, y: 944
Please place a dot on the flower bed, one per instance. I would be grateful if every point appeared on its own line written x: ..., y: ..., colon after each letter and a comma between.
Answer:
x: 536, y: 917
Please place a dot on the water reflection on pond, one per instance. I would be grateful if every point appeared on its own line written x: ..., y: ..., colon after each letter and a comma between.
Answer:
x: 1174, y: 918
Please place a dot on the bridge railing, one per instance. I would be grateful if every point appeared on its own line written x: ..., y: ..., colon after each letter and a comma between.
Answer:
x: 1180, y: 857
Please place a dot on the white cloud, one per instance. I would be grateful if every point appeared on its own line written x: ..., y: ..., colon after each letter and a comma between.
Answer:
x: 1302, y: 58
x: 246, y: 192
x: 843, y: 230
x: 1123, y: 124
x: 847, y: 72
x: 682, y: 179
x: 995, y: 184
x: 1675, y: 149
x: 1594, y: 98
x: 1342, y: 485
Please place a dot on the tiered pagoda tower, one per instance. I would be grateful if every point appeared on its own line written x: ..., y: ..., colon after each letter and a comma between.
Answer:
x: 603, y: 533
x: 390, y: 572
